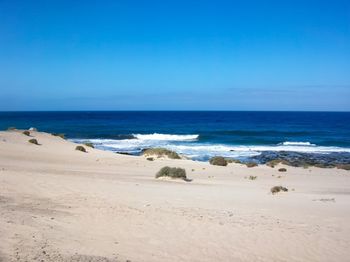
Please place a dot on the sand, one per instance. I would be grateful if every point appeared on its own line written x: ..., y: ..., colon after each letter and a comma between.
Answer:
x: 59, y: 204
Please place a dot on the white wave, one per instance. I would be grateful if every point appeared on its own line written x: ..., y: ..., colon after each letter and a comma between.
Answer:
x: 202, y: 150
x: 287, y: 143
x: 166, y: 137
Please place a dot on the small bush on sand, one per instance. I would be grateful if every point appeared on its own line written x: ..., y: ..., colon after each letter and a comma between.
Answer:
x: 282, y: 169
x: 344, y: 166
x: 161, y: 152
x: 150, y: 158
x: 251, y: 164
x: 26, y: 132
x: 89, y: 145
x: 218, y: 161
x: 253, y: 177
x: 11, y: 128
x: 274, y: 162
x: 80, y: 148
x: 33, y: 141
x: 277, y: 189
x: 232, y: 160
x: 172, y: 172
x: 60, y: 135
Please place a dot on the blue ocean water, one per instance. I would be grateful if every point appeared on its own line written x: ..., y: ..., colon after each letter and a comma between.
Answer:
x: 196, y: 134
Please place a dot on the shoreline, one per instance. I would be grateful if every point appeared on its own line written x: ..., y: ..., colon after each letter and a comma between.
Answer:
x: 60, y: 204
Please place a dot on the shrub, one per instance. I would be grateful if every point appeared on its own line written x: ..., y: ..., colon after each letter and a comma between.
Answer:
x: 80, y: 148
x: 218, y: 161
x: 232, y: 160
x: 33, y: 141
x: 277, y: 189
x: 282, y: 169
x: 89, y: 145
x: 253, y: 177
x: 161, y: 152
x: 26, y: 132
x: 172, y: 172
x: 60, y: 135
x: 150, y: 158
x: 274, y: 162
x: 344, y: 166
x: 251, y: 164
x: 11, y: 128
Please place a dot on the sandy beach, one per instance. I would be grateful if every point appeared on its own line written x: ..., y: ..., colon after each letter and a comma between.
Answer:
x: 60, y: 204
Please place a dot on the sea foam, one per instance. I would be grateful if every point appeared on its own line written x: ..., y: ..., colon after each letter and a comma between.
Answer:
x: 287, y: 143
x: 189, y: 146
x: 166, y: 137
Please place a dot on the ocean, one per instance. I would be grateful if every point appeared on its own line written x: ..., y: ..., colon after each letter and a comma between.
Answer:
x: 198, y: 135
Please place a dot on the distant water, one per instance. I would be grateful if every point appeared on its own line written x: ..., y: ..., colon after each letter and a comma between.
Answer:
x: 198, y: 135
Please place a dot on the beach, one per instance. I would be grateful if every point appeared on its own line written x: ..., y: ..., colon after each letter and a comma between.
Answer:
x: 60, y: 204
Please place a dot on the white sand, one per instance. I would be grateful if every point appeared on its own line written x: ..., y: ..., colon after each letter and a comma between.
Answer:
x: 59, y: 204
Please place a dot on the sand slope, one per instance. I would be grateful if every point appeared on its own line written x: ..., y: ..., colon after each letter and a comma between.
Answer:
x: 59, y: 204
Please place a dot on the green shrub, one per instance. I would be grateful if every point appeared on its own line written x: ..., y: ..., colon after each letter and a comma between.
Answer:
x: 172, y: 172
x: 33, y: 141
x: 218, y: 161
x: 277, y: 189
x: 60, y: 135
x: 89, y: 144
x: 161, y: 152
x: 80, y: 148
x: 251, y: 164
x: 253, y: 177
x: 150, y: 158
x: 26, y: 132
x: 282, y: 169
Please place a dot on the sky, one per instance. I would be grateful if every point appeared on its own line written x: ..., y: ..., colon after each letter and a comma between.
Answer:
x: 175, y: 55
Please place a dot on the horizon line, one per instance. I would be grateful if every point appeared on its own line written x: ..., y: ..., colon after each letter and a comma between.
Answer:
x: 185, y: 110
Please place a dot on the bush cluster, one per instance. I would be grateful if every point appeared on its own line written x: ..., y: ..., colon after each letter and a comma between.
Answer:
x: 172, y: 172
x: 33, y: 141
x: 218, y: 161
x: 277, y: 189
x: 26, y: 132
x: 80, y: 148
x: 161, y: 152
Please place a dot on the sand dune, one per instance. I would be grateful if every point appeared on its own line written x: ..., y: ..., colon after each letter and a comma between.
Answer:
x: 59, y: 204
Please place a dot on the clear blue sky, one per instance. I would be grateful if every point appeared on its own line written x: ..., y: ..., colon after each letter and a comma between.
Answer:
x: 175, y: 55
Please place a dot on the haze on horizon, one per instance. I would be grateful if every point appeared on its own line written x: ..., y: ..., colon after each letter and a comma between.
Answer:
x: 175, y: 55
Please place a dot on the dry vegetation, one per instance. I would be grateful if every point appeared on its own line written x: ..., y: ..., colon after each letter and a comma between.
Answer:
x: 89, y: 144
x: 218, y: 161
x: 172, y: 172
x: 33, y: 141
x: 26, y: 132
x: 161, y: 152
x: 80, y: 148
x: 277, y: 189
x: 251, y: 164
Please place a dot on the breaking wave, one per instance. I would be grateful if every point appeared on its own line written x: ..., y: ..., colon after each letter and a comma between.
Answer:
x: 287, y: 143
x: 190, y: 147
x: 166, y: 137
